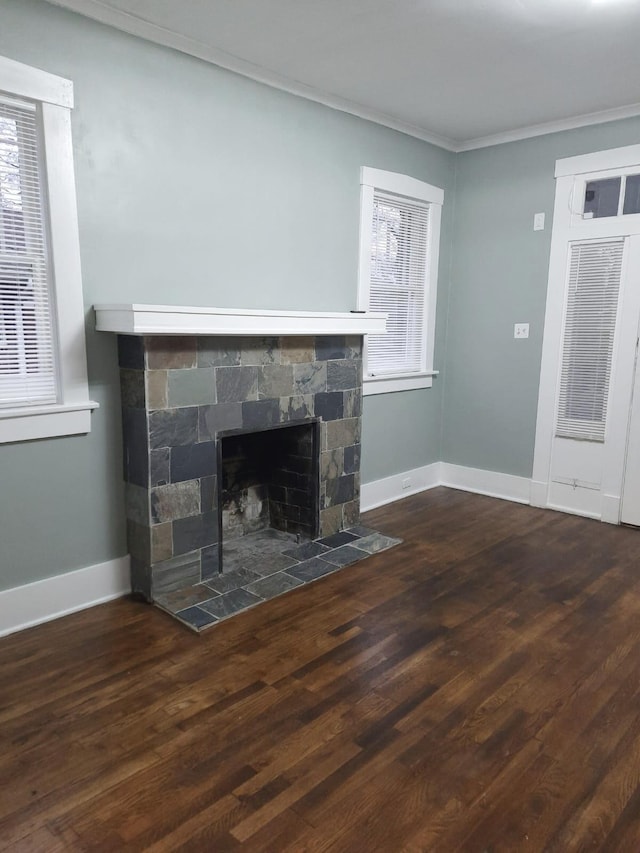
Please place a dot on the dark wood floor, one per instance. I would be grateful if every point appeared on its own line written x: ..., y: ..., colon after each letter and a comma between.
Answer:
x: 475, y: 689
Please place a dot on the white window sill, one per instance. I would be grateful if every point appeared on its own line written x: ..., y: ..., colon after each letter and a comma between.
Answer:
x: 28, y: 424
x: 389, y: 384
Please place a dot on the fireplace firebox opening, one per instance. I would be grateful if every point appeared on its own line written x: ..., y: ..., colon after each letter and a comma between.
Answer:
x: 269, y: 480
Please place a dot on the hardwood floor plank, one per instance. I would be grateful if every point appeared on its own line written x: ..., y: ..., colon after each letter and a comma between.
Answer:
x: 476, y: 688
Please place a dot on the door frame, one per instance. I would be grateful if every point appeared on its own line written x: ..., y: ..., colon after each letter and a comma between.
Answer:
x: 568, y: 226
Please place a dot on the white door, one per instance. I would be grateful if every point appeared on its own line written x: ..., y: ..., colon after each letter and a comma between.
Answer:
x: 630, y: 509
x: 589, y: 350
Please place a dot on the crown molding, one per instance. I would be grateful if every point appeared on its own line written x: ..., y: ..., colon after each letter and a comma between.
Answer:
x: 136, y: 26
x: 133, y: 25
x: 584, y: 120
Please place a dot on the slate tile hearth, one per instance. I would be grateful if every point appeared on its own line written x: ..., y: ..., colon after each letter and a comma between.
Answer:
x: 263, y: 565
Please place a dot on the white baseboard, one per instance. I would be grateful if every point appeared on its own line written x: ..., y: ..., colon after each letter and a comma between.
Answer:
x: 41, y: 601
x: 385, y: 491
x: 505, y: 486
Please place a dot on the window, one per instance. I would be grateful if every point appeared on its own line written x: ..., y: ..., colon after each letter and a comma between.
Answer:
x: 43, y: 374
x: 612, y: 196
x: 399, y: 239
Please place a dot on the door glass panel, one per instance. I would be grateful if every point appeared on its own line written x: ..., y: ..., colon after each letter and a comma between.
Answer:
x: 601, y: 198
x: 632, y: 195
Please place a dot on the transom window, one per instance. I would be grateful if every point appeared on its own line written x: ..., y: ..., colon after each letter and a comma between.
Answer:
x: 611, y: 196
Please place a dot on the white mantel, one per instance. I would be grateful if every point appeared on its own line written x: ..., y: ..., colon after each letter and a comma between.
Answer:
x: 134, y: 319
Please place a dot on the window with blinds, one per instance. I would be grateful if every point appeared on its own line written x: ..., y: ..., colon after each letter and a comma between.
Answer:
x: 397, y: 284
x: 595, y: 271
x: 27, y: 358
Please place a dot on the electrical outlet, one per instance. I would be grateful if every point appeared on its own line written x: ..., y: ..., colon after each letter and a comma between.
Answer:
x: 406, y: 483
x: 521, y: 330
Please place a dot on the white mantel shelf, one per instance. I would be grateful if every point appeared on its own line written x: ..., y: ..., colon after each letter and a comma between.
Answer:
x: 133, y: 319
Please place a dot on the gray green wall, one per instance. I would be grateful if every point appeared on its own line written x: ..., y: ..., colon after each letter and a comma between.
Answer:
x: 498, y: 278
x: 199, y: 186
x: 195, y: 186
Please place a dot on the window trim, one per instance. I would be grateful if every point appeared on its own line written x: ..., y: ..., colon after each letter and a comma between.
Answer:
x: 404, y: 185
x: 71, y: 414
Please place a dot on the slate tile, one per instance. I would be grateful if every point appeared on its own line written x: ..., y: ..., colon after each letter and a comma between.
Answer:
x: 331, y: 520
x: 340, y: 490
x: 297, y: 407
x: 139, y: 541
x: 305, y: 551
x: 160, y: 466
x: 274, y: 585
x: 137, y: 503
x: 161, y: 542
x: 136, y: 446
x: 257, y: 351
x: 329, y: 405
x: 296, y: 350
x: 269, y: 564
x: 132, y: 388
x: 260, y: 414
x: 338, y: 539
x: 167, y: 352
x: 214, y: 351
x: 230, y: 603
x: 351, y: 510
x: 214, y: 419
x: 352, y: 459
x: 342, y: 433
x: 175, y: 500
x: 345, y: 555
x: 342, y: 375
x: 173, y: 427
x: 157, y: 397
x: 275, y: 380
x: 310, y: 378
x: 361, y: 530
x: 196, y: 617
x: 194, y: 387
x: 199, y: 531
x: 232, y: 580
x: 311, y: 569
x: 186, y: 597
x: 332, y: 463
x: 330, y: 347
x: 377, y: 542
x: 353, y: 402
x: 191, y: 461
x: 131, y: 352
x: 176, y: 573
x: 236, y: 384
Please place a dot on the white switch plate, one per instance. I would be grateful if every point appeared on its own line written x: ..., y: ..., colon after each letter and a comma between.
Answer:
x: 521, y: 330
x: 538, y: 222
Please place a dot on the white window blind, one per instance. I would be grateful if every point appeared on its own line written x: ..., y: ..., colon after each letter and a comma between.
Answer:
x: 398, y: 284
x: 27, y: 338
x: 595, y: 271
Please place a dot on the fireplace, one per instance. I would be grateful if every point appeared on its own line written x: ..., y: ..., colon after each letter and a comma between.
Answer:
x: 202, y: 415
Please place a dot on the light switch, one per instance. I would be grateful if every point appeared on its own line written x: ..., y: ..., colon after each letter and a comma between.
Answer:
x: 521, y: 330
x: 538, y: 222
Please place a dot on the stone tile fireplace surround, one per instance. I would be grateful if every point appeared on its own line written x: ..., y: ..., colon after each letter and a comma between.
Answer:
x: 181, y: 393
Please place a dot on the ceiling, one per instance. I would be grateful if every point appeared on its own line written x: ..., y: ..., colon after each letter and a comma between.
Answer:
x: 461, y: 73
